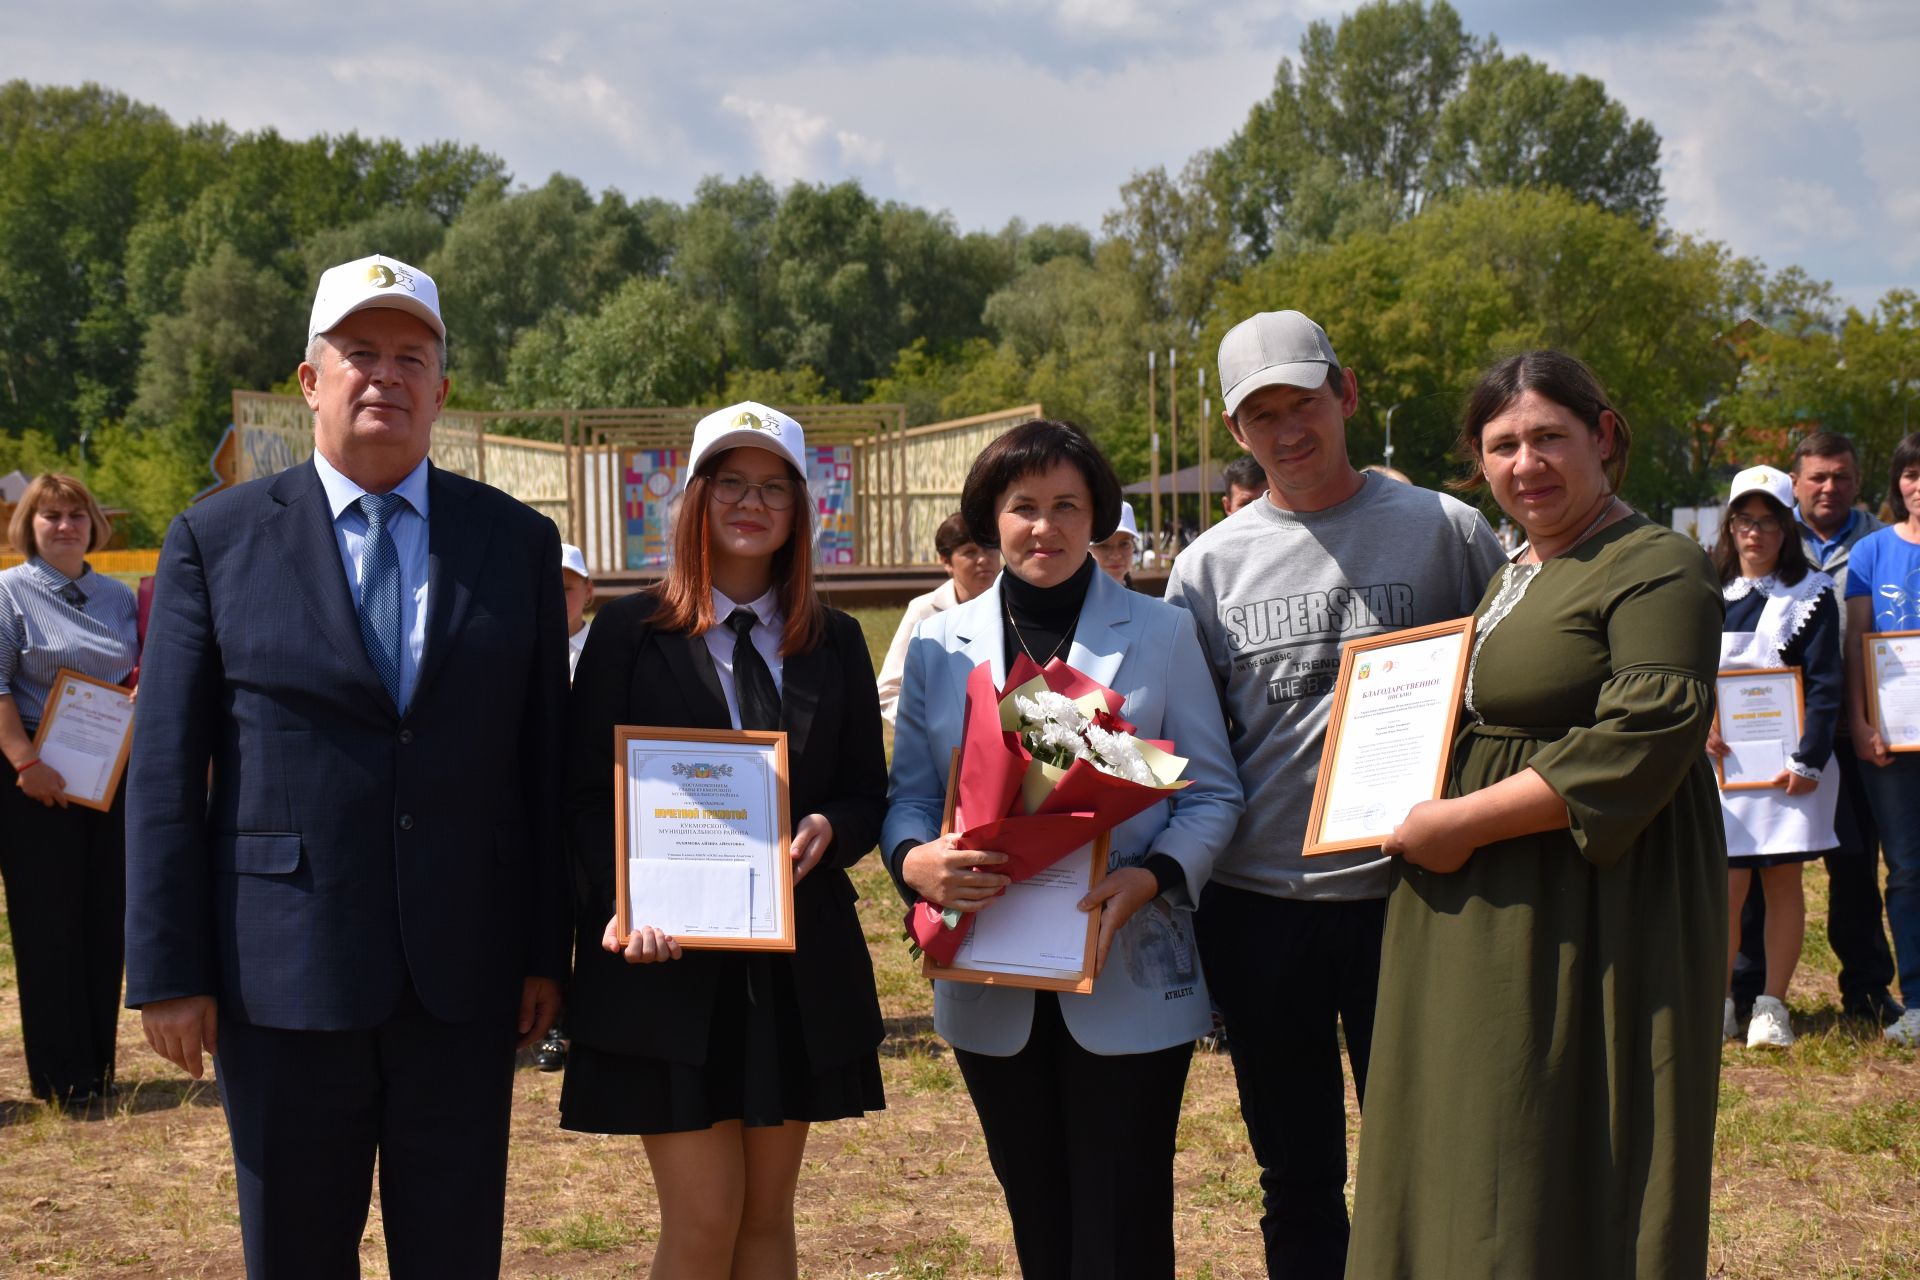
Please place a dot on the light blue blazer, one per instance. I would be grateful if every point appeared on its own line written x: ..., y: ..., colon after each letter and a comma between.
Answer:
x: 1150, y: 994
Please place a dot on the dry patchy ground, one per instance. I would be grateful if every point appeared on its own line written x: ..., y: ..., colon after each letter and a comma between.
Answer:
x: 1817, y: 1174
x: 1818, y: 1168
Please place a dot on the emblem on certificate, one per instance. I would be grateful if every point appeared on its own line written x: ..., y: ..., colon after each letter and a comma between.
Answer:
x: 1893, y: 687
x: 1396, y: 704
x: 701, y: 848
x: 84, y: 736
x: 1759, y: 713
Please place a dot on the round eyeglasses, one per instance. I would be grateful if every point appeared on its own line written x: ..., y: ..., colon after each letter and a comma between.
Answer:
x: 776, y: 494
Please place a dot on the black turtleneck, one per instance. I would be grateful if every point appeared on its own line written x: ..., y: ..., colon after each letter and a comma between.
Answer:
x: 1039, y: 621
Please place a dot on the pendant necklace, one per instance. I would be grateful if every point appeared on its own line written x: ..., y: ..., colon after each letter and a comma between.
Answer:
x: 1022, y: 640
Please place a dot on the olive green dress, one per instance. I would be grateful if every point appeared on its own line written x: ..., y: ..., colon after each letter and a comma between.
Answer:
x: 1546, y: 1046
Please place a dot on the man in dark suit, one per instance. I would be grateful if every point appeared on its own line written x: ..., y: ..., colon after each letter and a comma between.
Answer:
x: 362, y: 905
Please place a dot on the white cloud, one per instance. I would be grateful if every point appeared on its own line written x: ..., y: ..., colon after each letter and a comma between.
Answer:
x: 784, y: 137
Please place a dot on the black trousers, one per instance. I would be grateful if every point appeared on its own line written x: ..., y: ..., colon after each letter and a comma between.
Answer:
x: 308, y: 1112
x: 66, y: 879
x: 1288, y: 977
x: 1855, y: 918
x: 1083, y: 1146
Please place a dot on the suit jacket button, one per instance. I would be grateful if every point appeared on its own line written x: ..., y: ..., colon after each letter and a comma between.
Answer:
x: 406, y: 737
x: 406, y: 822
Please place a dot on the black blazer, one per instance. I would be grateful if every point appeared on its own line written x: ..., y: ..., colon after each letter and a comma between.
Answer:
x: 343, y: 849
x: 631, y: 673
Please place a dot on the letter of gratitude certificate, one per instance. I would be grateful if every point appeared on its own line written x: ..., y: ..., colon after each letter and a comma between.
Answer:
x: 84, y: 736
x: 1396, y: 703
x: 705, y: 847
x: 1759, y: 714
x: 1893, y: 671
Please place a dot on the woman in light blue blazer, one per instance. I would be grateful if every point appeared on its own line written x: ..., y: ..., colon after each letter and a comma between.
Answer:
x: 1078, y: 1095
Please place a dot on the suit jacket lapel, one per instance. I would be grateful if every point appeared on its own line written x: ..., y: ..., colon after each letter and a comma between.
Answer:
x: 1099, y: 639
x: 301, y: 533
x: 696, y: 678
x: 977, y: 627
x: 802, y: 677
x: 456, y: 554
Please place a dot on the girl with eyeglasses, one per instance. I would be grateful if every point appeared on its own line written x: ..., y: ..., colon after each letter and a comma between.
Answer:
x: 1780, y: 613
x: 721, y: 1060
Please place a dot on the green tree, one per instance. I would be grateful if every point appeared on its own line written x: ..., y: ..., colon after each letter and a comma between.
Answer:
x: 1418, y: 310
x: 1520, y: 124
x: 648, y: 346
x: 1399, y: 104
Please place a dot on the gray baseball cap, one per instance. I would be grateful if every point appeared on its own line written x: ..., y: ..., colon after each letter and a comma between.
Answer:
x: 1273, y: 347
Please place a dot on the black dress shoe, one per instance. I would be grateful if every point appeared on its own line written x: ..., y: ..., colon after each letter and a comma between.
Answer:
x: 551, y: 1055
x: 1877, y: 1007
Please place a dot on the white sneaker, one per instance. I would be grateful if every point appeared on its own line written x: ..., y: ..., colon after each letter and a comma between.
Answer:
x: 1906, y: 1031
x: 1769, y: 1027
x: 1729, y: 1025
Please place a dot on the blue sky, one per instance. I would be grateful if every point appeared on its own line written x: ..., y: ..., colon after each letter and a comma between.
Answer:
x: 1786, y: 124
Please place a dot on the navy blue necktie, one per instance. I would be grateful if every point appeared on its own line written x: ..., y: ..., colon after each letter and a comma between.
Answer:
x: 380, y: 590
x: 753, y: 685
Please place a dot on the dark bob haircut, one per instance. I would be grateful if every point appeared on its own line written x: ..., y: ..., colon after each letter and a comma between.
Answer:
x: 1905, y: 454
x: 1561, y: 378
x: 951, y: 536
x: 1792, y: 564
x: 1029, y: 449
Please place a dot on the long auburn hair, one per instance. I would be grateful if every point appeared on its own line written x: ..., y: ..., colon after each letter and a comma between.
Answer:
x: 686, y: 594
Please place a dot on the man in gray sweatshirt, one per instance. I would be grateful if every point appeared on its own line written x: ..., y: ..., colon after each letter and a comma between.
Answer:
x: 1292, y: 945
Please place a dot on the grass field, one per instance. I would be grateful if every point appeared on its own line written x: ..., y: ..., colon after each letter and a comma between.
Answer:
x: 1817, y: 1172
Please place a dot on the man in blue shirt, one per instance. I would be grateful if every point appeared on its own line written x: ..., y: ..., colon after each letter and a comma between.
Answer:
x: 1826, y: 480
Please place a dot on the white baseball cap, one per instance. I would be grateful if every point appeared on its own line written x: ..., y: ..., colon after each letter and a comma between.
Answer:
x: 572, y: 560
x: 748, y: 423
x: 1128, y: 524
x: 376, y: 281
x: 1269, y: 348
x: 1772, y: 481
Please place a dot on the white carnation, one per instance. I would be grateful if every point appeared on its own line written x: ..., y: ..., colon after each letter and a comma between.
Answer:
x: 1117, y: 754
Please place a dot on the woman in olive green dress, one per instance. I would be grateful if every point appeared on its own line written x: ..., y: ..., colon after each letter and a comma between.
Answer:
x: 1546, y: 1043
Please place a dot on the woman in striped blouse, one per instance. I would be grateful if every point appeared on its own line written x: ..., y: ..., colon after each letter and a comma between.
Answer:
x: 64, y: 865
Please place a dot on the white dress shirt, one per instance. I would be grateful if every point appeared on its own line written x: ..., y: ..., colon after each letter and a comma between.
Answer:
x: 408, y: 528
x: 765, y: 635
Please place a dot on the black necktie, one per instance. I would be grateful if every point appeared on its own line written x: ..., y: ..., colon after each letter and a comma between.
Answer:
x: 752, y: 683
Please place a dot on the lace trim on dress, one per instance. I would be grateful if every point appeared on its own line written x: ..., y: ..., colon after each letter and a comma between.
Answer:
x: 1514, y: 581
x: 1787, y: 610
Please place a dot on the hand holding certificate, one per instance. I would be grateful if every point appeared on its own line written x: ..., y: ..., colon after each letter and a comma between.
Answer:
x: 84, y: 737
x: 702, y: 850
x: 1396, y: 703
x: 1893, y: 687
x: 1046, y: 769
x: 1759, y: 716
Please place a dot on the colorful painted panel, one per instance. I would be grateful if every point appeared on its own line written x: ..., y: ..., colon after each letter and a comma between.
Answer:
x: 654, y: 479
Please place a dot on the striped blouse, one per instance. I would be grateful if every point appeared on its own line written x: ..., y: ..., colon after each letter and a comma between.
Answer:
x: 41, y: 631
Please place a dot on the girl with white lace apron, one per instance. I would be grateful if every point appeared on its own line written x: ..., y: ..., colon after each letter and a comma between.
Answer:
x: 1780, y: 613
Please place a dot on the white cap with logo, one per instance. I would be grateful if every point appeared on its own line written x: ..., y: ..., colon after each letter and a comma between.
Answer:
x: 1273, y: 347
x: 376, y: 281
x: 1772, y: 481
x: 572, y: 560
x: 748, y: 423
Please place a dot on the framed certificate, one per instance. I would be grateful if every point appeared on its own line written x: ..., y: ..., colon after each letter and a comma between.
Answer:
x: 701, y: 847
x: 1893, y: 687
x: 1759, y: 713
x: 1035, y: 934
x: 1396, y: 704
x: 85, y: 733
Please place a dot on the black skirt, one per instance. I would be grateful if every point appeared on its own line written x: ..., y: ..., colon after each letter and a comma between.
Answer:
x: 756, y: 1070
